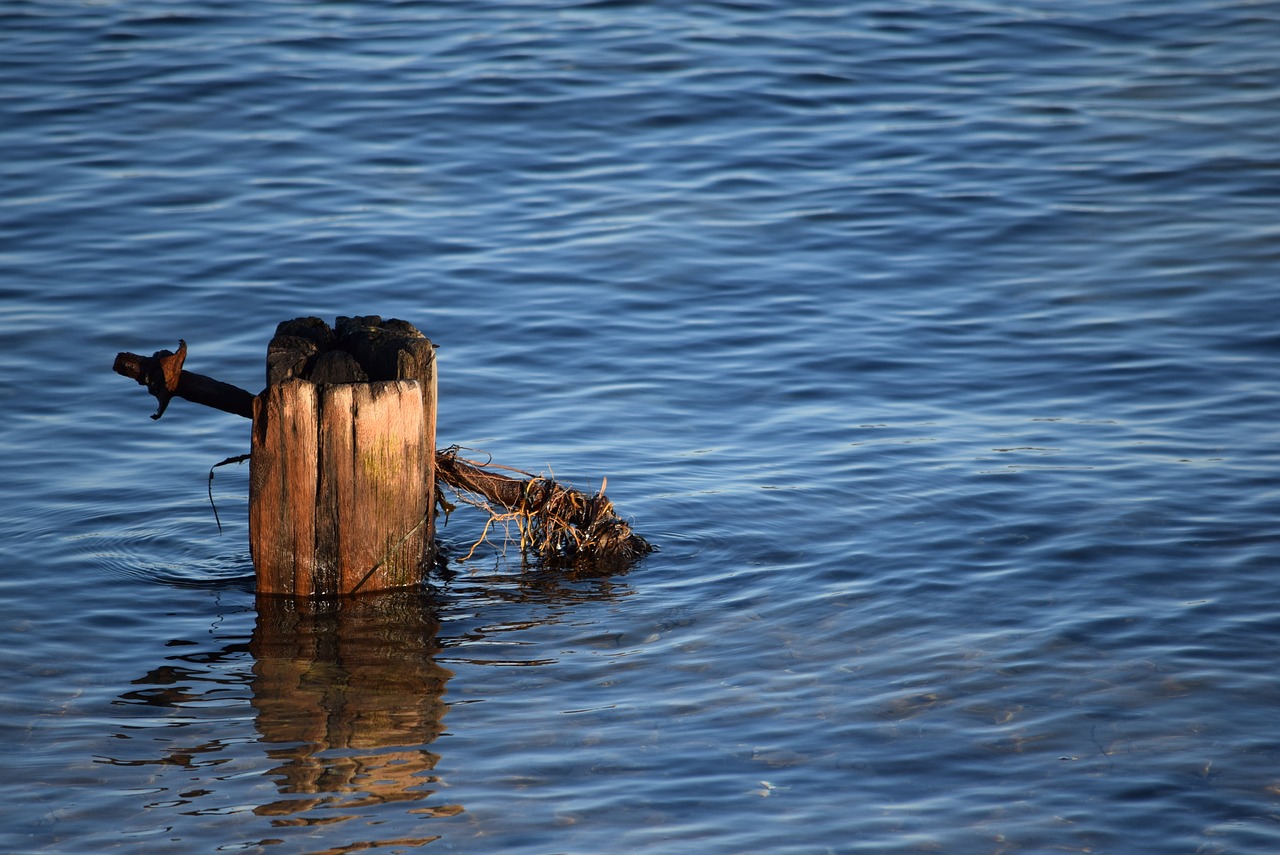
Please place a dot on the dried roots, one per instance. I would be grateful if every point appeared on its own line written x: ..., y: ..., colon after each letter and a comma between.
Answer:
x: 561, y: 526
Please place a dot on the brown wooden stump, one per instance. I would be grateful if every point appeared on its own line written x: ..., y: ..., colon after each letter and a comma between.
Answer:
x: 342, y: 473
x: 337, y: 436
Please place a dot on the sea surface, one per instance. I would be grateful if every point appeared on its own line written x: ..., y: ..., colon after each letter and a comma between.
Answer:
x: 936, y: 345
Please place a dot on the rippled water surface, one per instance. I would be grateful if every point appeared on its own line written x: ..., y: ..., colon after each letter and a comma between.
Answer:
x: 933, y: 343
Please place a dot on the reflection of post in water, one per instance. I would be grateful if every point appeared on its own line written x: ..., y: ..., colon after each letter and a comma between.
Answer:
x: 350, y: 692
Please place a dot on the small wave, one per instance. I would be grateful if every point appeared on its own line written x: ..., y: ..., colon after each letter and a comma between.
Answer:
x: 169, y: 558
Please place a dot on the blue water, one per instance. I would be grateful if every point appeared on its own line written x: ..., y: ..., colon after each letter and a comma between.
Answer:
x: 934, y: 344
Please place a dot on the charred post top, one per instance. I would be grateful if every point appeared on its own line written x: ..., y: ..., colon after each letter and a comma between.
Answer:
x: 355, y: 350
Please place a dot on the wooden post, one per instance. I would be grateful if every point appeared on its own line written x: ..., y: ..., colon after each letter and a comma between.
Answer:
x: 342, y: 475
x: 332, y: 431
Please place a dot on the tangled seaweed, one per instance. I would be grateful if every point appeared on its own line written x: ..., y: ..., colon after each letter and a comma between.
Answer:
x: 561, y: 526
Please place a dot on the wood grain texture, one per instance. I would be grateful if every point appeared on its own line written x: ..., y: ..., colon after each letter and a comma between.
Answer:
x: 337, y: 500
x: 282, y: 488
x: 373, y: 504
x: 342, y: 473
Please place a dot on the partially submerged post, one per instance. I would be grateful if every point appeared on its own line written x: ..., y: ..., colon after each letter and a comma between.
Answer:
x: 343, y: 468
x: 342, y: 472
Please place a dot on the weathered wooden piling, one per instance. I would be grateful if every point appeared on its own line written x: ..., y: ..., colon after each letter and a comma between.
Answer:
x: 343, y: 465
x: 342, y: 472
